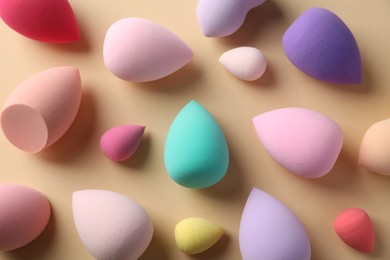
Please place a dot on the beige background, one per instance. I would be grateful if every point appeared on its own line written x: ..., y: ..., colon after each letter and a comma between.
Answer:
x: 76, y: 162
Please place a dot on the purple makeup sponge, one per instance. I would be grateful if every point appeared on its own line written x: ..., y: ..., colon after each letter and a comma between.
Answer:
x: 321, y: 45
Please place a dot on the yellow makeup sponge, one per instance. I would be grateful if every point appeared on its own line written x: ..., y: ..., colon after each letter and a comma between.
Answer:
x: 195, y: 235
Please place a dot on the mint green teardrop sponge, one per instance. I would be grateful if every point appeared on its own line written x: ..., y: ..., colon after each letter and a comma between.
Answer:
x: 196, y: 154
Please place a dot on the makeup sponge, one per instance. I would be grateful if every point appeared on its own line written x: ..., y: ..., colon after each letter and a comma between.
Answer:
x: 139, y: 50
x: 220, y: 18
x: 111, y: 225
x: 195, y: 153
x: 121, y: 142
x: 41, y: 20
x: 270, y: 230
x: 195, y: 235
x: 375, y: 148
x: 24, y: 215
x: 355, y: 228
x: 42, y: 108
x: 321, y: 45
x: 305, y: 142
x: 246, y: 63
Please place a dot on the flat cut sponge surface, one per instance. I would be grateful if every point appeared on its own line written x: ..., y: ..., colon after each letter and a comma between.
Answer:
x: 41, y: 20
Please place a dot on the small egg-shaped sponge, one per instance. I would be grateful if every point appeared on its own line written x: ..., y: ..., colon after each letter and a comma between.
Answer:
x: 270, y: 230
x: 196, y: 153
x: 321, y: 45
x: 375, y: 148
x: 246, y: 63
x: 140, y: 50
x: 42, y: 108
x: 354, y: 227
x: 41, y: 20
x: 24, y: 215
x: 195, y: 235
x: 111, y: 225
x: 304, y: 141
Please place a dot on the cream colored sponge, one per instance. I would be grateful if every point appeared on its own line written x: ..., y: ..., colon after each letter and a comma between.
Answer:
x: 42, y: 108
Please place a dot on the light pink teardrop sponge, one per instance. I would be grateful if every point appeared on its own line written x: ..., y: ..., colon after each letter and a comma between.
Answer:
x: 42, y: 108
x: 24, y: 215
x: 140, y: 50
x: 120, y: 142
x: 111, y: 225
x: 305, y: 142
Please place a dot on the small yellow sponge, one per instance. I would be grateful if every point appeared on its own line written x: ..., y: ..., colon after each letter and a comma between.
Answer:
x: 195, y: 235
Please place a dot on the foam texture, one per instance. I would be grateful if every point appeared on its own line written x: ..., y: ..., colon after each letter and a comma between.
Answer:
x: 354, y: 227
x: 196, y: 235
x: 321, y: 45
x: 140, y: 50
x: 270, y: 230
x: 195, y: 153
x: 305, y: 142
x: 42, y: 108
x: 375, y: 148
x: 111, y: 225
x: 41, y: 20
x: 246, y: 63
x: 121, y: 142
x: 24, y: 215
x: 220, y: 18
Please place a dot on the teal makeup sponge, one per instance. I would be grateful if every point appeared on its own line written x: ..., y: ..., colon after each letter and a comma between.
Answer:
x: 321, y: 45
x: 195, y: 153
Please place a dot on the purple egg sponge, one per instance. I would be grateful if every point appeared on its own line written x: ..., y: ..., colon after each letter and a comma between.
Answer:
x: 321, y: 45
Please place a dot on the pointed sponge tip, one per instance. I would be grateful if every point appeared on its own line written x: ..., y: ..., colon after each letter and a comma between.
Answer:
x: 41, y: 20
x: 355, y: 228
x: 195, y: 235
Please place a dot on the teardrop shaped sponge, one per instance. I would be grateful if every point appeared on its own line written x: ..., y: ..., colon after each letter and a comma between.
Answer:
x: 41, y: 20
x: 321, y: 45
x: 354, y: 227
x: 305, y: 142
x: 140, y: 50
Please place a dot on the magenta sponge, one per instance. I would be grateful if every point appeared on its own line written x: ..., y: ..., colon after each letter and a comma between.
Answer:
x: 41, y: 20
x: 321, y: 45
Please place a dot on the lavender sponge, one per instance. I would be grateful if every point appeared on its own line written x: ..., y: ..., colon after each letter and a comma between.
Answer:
x: 321, y: 45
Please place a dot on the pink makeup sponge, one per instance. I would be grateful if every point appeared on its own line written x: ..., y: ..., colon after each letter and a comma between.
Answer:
x: 42, y: 108
x: 139, y: 50
x: 121, y: 142
x: 111, y: 225
x: 41, y: 20
x: 355, y: 228
x: 24, y: 214
x: 321, y: 45
x: 246, y: 63
x: 270, y: 230
x: 375, y: 148
x: 305, y: 142
x: 220, y: 18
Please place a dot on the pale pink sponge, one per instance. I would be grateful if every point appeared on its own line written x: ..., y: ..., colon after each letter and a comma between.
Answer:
x: 305, y: 142
x: 120, y: 142
x: 41, y: 20
x: 375, y: 148
x: 355, y: 228
x: 246, y: 63
x: 220, y: 18
x: 42, y: 108
x: 111, y: 225
x: 24, y: 215
x: 270, y: 230
x: 139, y: 50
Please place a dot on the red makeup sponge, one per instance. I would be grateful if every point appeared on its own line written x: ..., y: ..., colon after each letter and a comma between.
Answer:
x: 42, y: 20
